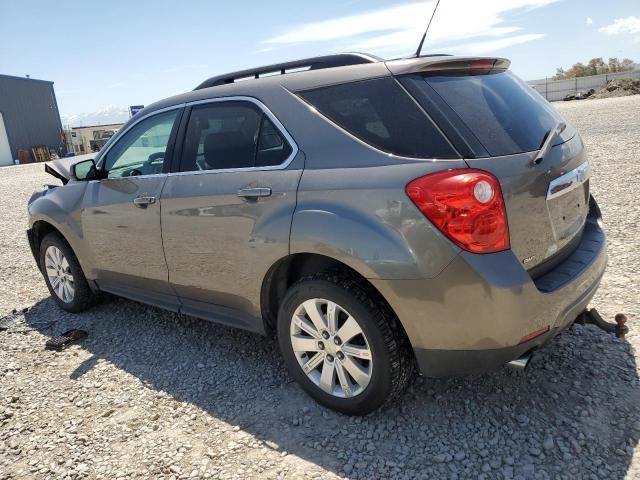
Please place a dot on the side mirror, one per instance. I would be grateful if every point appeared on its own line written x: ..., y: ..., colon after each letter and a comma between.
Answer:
x: 85, y: 170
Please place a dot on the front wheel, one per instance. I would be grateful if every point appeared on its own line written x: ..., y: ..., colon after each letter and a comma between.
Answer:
x: 343, y: 346
x: 64, y: 277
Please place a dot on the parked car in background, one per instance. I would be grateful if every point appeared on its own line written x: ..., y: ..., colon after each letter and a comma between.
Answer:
x: 374, y: 215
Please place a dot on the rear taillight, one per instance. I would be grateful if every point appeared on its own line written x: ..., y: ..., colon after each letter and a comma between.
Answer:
x: 466, y: 205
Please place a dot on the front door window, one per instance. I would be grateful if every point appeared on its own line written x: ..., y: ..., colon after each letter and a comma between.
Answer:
x: 142, y: 149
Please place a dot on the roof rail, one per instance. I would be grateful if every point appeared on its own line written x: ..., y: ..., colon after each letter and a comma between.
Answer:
x: 314, y: 63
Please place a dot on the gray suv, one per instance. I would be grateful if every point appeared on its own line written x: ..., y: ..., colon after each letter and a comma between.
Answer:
x: 376, y: 216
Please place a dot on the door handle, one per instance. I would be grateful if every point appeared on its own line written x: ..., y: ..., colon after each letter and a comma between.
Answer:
x: 256, y: 192
x: 143, y: 201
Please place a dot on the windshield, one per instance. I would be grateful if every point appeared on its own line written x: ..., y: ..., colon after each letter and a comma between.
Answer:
x: 505, y: 114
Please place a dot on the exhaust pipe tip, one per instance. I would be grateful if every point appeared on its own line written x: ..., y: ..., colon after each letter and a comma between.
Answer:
x: 521, y: 363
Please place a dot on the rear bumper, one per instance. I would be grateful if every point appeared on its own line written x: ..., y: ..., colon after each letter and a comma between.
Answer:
x: 473, y: 316
x: 446, y: 363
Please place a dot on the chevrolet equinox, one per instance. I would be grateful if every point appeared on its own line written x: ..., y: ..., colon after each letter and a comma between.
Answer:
x: 376, y: 216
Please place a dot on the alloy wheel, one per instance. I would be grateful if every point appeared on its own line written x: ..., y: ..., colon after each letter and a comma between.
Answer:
x: 331, y: 348
x: 59, y: 274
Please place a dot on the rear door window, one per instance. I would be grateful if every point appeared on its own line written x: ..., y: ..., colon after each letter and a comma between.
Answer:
x: 230, y: 135
x: 380, y: 113
x: 505, y: 114
x: 272, y: 148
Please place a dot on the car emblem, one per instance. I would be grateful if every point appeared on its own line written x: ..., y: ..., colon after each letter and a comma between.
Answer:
x: 569, y: 181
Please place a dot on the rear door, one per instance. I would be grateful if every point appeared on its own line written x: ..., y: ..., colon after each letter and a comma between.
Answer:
x: 121, y: 214
x: 503, y: 122
x: 226, y: 215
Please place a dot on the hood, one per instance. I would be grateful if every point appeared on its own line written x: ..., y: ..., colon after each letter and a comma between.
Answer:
x: 61, y: 168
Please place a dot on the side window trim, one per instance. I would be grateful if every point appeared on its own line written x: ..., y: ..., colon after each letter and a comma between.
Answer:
x: 172, y: 137
x: 178, y: 145
x: 171, y: 146
x: 258, y: 133
x: 176, y: 163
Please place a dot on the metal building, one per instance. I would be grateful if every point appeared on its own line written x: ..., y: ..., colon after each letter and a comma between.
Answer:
x: 29, y: 117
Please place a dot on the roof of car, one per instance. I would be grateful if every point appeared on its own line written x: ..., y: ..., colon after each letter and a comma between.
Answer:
x: 313, y: 73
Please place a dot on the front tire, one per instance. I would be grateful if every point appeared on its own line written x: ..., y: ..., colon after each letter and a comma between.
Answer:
x: 341, y: 344
x: 63, y: 275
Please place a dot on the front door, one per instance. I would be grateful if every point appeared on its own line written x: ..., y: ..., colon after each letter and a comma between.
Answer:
x: 121, y: 218
x: 226, y: 216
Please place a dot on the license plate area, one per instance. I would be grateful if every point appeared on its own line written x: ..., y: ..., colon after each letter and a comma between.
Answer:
x: 568, y: 203
x: 568, y: 212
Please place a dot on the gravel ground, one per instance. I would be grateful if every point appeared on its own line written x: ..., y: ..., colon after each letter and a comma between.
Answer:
x: 151, y: 394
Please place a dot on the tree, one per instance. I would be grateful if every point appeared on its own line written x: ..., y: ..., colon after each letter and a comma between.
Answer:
x: 560, y: 74
x: 578, y: 70
x: 614, y: 65
x: 627, y: 64
x: 595, y: 66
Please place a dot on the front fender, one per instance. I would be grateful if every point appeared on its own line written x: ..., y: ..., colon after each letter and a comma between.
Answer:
x: 61, y: 207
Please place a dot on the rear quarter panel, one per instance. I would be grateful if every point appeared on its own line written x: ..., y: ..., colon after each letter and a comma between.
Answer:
x: 363, y: 218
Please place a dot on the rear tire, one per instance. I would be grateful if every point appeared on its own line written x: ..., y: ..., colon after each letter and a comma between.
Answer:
x: 376, y: 357
x: 63, y: 275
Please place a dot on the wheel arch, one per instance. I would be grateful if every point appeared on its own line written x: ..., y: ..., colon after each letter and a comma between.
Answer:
x: 39, y: 230
x: 286, y: 271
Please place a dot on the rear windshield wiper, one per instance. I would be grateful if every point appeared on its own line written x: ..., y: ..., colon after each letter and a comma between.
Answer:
x: 548, y: 139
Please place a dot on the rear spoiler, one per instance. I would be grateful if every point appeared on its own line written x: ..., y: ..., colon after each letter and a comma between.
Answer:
x: 464, y: 65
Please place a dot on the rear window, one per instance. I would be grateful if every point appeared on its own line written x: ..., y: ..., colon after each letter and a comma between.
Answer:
x: 504, y: 113
x: 380, y: 113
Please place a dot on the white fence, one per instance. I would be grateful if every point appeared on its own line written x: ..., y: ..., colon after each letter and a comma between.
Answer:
x: 554, y: 90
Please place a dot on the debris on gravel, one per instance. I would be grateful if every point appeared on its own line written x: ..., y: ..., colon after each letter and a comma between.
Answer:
x: 152, y: 394
x: 579, y: 95
x: 618, y: 88
x: 613, y: 88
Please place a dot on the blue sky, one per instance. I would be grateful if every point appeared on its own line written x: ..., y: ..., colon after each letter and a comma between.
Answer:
x: 104, y: 56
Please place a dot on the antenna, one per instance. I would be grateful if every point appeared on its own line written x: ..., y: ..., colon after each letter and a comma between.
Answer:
x: 425, y: 32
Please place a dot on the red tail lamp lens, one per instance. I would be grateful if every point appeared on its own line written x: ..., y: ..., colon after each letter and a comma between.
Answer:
x: 465, y: 205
